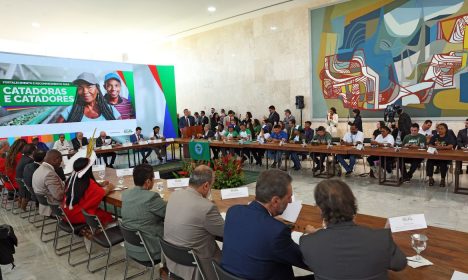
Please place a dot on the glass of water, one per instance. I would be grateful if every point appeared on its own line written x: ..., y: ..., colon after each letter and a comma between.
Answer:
x: 101, y: 174
x: 121, y: 180
x: 422, y: 145
x: 160, y: 187
x: 419, y: 243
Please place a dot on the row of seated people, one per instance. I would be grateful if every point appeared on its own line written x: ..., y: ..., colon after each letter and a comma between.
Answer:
x: 255, y: 244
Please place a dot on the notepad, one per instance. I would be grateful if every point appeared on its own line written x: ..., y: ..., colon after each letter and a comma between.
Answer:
x: 156, y: 175
x: 410, y: 222
x: 234, y: 193
x: 457, y: 275
x: 292, y: 211
x: 178, y: 183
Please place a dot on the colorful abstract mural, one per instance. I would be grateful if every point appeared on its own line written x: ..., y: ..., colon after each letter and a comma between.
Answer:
x: 371, y: 54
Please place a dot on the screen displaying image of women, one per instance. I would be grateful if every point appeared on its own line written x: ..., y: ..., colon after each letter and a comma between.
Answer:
x: 89, y: 104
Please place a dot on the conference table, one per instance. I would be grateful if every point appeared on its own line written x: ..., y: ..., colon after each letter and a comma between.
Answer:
x: 447, y: 249
x: 458, y: 156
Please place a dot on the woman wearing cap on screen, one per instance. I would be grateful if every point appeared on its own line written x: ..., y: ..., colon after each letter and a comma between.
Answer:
x: 113, y: 85
x: 89, y: 103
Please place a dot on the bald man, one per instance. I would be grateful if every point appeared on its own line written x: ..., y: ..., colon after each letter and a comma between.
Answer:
x: 47, y: 182
x: 103, y: 140
x: 79, y: 141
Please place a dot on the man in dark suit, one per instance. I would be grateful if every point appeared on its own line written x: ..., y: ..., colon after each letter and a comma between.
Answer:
x: 274, y: 117
x: 79, y: 141
x: 256, y: 245
x: 343, y: 249
x: 186, y: 120
x: 462, y: 141
x: 404, y: 123
x: 104, y: 140
x: 207, y: 132
x: 204, y: 119
x: 135, y: 139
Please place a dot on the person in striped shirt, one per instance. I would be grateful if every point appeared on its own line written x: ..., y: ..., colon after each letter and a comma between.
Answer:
x: 113, y: 85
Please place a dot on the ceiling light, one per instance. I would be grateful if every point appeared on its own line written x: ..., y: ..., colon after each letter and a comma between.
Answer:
x: 35, y: 24
x: 211, y: 9
x: 273, y: 28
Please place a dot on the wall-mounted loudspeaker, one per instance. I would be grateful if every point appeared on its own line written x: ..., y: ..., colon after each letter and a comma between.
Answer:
x: 299, y: 102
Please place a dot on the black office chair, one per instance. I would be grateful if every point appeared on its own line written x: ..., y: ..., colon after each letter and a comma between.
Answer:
x: 42, y: 199
x: 135, y: 238
x: 223, y: 274
x: 6, y: 180
x: 72, y: 230
x: 180, y: 255
x: 32, y: 207
x: 106, y: 238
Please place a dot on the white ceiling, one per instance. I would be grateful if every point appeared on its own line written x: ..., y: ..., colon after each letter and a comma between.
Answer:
x: 110, y: 21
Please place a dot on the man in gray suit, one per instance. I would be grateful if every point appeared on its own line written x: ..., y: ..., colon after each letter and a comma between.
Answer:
x: 47, y: 182
x: 193, y: 221
x: 144, y: 210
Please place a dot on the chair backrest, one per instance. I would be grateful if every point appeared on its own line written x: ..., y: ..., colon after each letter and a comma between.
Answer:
x: 134, y: 238
x: 180, y: 255
x: 92, y: 221
x: 223, y: 274
x: 56, y: 211
x: 42, y: 199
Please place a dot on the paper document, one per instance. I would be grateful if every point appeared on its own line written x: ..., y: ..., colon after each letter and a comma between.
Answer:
x: 156, y: 175
x: 97, y: 168
x: 234, y: 193
x: 178, y: 183
x: 292, y: 211
x: 124, y: 172
x: 457, y: 275
x: 169, y: 139
x: 410, y: 222
x: 223, y: 214
x: 296, y: 235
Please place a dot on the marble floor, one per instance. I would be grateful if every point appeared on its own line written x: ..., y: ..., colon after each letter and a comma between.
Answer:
x: 443, y: 208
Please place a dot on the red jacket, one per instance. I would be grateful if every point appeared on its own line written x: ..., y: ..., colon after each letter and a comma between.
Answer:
x: 10, y: 172
x: 90, y: 203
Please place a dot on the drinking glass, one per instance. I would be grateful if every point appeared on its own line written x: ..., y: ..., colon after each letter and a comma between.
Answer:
x: 121, y: 180
x: 419, y: 243
x: 101, y: 174
x: 422, y: 145
x: 385, y: 145
x: 159, y: 187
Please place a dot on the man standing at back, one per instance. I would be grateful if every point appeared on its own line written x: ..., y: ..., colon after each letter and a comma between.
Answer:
x: 193, y: 221
x: 47, y: 182
x: 257, y: 246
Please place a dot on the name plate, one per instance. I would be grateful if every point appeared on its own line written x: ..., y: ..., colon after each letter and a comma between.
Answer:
x: 169, y: 139
x: 405, y: 223
x: 143, y: 142
x: 124, y: 172
x: 106, y: 147
x: 156, y: 175
x: 97, y: 168
x: 157, y: 141
x: 234, y: 193
x: 127, y: 144
x: 457, y: 275
x: 178, y: 183
x: 432, y: 150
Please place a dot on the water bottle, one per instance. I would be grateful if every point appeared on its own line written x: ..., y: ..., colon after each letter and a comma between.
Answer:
x: 398, y: 140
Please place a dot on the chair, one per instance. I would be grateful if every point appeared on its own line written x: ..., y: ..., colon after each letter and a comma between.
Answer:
x: 6, y: 180
x: 106, y: 238
x: 180, y: 255
x: 223, y: 274
x: 33, y: 202
x: 135, y: 238
x: 42, y: 199
x: 64, y: 224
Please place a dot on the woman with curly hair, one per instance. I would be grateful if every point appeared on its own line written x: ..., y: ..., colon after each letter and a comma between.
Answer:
x: 8, y: 164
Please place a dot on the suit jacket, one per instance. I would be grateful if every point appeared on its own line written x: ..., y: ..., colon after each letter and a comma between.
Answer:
x: 134, y: 138
x: 193, y: 221
x: 183, y: 123
x: 274, y: 118
x: 28, y: 172
x: 76, y: 143
x: 257, y: 246
x: 47, y: 182
x: 350, y: 251
x: 204, y: 120
x: 21, y: 164
x: 208, y: 134
x: 144, y: 210
x: 100, y: 143
x: 462, y: 138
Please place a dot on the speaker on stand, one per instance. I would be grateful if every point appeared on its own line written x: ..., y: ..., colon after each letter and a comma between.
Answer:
x: 300, y: 104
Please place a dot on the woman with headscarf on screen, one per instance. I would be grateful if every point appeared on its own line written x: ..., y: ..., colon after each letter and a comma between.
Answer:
x: 89, y: 103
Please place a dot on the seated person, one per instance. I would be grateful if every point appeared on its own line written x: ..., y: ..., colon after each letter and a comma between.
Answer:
x: 308, y: 131
x: 351, y: 138
x: 47, y: 182
x: 289, y: 129
x: 24, y: 195
x: 84, y: 193
x: 104, y: 140
x: 144, y: 210
x: 376, y: 132
x: 12, y: 159
x: 135, y: 139
x: 343, y: 249
x: 207, y: 133
x: 218, y: 135
x: 412, y: 141
x: 322, y: 137
x: 258, y: 154
x: 296, y: 138
x: 40, y: 145
x: 256, y: 245
x: 62, y: 145
x: 426, y: 130
x: 159, y: 150
x: 277, y: 136
x: 79, y: 141
x: 443, y: 140
x: 246, y: 135
x: 30, y: 168
x: 462, y: 143
x: 230, y: 134
x: 384, y: 139
x: 193, y: 221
